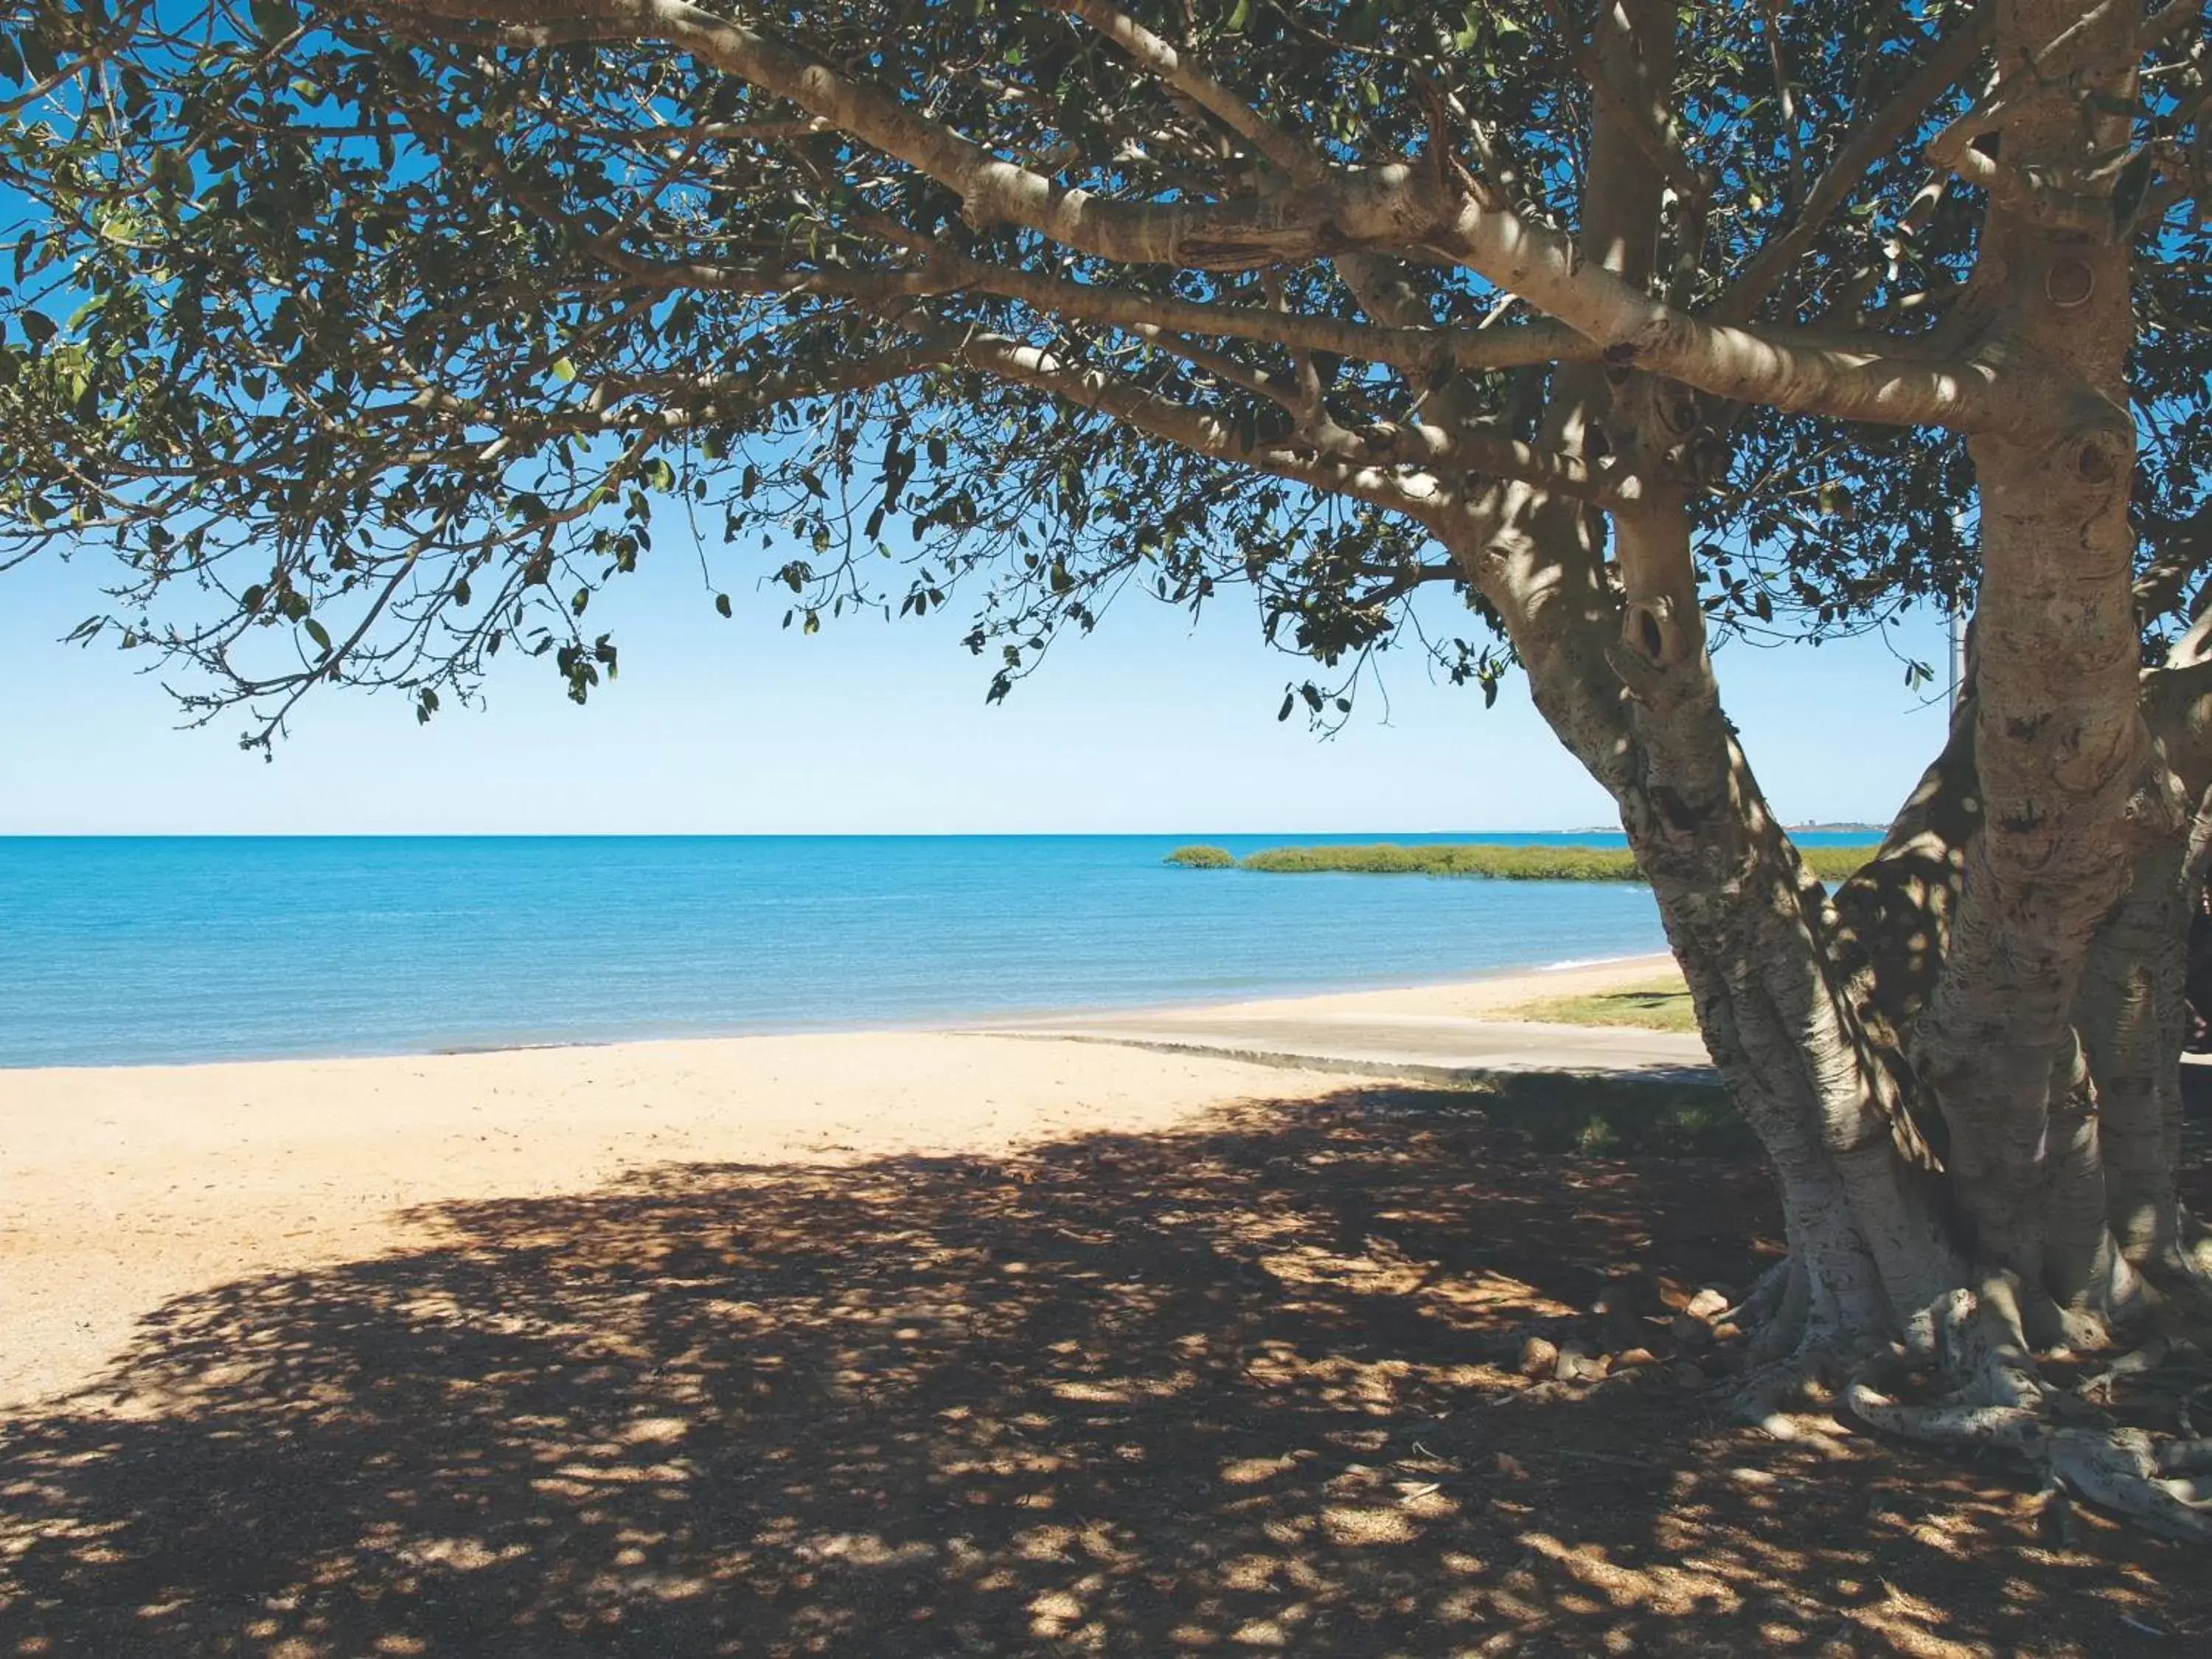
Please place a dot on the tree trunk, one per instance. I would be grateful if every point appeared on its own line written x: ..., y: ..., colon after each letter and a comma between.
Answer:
x: 1964, y: 1071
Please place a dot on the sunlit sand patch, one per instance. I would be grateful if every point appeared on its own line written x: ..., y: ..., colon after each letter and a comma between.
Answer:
x: 1246, y: 1470
x: 1122, y: 1391
x: 1676, y: 1591
x: 1899, y: 1624
x: 863, y: 1549
x: 1365, y: 1526
x: 457, y: 1554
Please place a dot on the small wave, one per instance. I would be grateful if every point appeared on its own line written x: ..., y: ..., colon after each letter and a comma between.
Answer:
x: 1592, y: 962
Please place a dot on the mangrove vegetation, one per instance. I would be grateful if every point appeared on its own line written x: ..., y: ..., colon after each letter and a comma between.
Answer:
x: 1493, y: 861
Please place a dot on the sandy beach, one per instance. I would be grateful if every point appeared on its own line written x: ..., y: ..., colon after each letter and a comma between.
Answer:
x: 915, y: 1343
x: 122, y: 1188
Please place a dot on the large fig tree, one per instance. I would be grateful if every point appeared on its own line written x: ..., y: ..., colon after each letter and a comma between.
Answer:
x: 373, y: 336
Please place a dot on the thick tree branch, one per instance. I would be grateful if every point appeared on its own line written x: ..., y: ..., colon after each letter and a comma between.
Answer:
x: 2183, y: 549
x: 1414, y: 350
x: 1285, y: 396
x: 2064, y: 55
x: 1776, y: 367
x: 1421, y: 496
x: 1644, y: 120
x: 1348, y: 209
x: 1294, y: 157
x: 676, y: 403
x: 2036, y: 200
x: 1398, y: 207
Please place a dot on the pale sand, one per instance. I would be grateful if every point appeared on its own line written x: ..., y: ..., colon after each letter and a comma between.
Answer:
x: 1474, y: 999
x: 121, y: 1188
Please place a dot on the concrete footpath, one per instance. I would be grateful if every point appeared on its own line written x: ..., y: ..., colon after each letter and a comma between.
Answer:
x: 1419, y: 1046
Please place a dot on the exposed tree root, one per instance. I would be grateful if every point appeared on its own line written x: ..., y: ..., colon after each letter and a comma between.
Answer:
x: 1766, y: 1396
x: 1780, y: 1285
x: 1795, y: 1358
x: 1996, y: 1400
x: 2120, y: 1470
x: 2052, y: 1329
x: 2195, y: 1247
x: 2179, y: 1277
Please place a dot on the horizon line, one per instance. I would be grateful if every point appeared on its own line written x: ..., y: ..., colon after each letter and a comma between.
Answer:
x: 1825, y: 826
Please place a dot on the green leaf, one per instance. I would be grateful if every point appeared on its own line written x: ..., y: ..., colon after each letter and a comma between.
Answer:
x: 274, y: 19
x: 319, y: 633
x: 563, y: 369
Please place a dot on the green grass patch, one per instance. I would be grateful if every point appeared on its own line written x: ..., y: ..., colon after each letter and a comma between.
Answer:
x: 1496, y: 862
x: 1201, y: 858
x: 1616, y: 1117
x: 1659, y: 1005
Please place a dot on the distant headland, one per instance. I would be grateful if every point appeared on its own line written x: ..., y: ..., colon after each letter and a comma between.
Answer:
x: 1792, y: 829
x: 1494, y: 862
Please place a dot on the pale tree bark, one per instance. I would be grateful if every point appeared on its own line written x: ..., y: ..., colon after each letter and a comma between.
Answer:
x: 1617, y: 662
x: 2132, y: 1012
x: 2062, y: 756
x: 2006, y: 973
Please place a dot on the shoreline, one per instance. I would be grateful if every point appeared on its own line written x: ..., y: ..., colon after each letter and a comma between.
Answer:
x: 124, y: 1188
x: 967, y: 1022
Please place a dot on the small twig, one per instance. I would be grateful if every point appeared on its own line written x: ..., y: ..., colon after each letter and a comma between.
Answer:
x: 1873, y: 140
x: 1293, y: 155
x: 1786, y: 94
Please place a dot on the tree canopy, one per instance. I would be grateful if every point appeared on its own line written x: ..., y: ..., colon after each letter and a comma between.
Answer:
x: 370, y: 336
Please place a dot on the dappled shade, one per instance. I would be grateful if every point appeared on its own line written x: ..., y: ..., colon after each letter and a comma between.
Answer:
x: 1247, y: 1389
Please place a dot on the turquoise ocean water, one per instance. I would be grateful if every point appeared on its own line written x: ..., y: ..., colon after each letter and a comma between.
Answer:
x: 126, y: 951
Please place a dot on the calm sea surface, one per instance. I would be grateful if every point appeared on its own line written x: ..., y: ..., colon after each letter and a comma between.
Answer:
x: 123, y: 951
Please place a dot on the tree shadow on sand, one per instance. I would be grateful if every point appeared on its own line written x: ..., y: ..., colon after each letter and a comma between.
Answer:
x: 1250, y: 1387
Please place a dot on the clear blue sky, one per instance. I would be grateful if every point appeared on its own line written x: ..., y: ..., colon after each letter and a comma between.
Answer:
x: 737, y: 727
